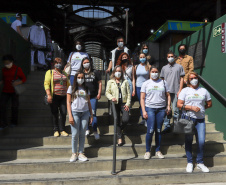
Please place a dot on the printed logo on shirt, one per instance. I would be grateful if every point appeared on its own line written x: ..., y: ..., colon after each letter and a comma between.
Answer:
x: 155, y: 88
x: 82, y: 93
x: 196, y: 97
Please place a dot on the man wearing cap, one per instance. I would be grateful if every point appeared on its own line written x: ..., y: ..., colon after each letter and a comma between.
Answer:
x: 16, y: 25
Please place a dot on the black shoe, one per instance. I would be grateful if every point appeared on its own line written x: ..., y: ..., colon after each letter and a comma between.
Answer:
x: 120, y: 144
x: 166, y: 130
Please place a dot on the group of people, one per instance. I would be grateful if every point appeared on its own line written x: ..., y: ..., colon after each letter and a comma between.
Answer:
x: 77, y: 93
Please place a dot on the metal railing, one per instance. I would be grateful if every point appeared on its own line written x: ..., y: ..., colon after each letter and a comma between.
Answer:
x: 115, y: 138
x: 213, y: 91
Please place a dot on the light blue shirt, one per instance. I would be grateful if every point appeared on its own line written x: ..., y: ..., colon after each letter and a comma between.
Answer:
x: 142, y: 75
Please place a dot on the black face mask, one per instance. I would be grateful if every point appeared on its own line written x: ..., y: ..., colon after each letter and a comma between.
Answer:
x: 182, y: 51
x: 124, y: 61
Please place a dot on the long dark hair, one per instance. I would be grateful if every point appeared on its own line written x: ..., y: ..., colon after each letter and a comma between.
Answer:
x: 82, y: 69
x: 75, y: 86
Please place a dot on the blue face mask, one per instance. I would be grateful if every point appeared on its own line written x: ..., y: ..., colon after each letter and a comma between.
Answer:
x: 145, y: 51
x: 142, y: 60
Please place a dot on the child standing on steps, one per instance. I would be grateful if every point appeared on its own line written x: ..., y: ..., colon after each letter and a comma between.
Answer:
x: 79, y: 110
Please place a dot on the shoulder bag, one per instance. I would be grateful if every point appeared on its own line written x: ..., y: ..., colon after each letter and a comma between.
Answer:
x: 19, y: 89
x: 67, y: 68
x: 169, y: 116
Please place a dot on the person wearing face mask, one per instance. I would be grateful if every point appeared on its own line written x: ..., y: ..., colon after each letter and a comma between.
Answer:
x: 173, y: 74
x: 125, y: 62
x: 56, y: 84
x: 115, y: 53
x: 194, y: 100
x: 75, y: 58
x: 185, y: 60
x: 11, y: 76
x: 94, y: 85
x: 155, y: 98
x: 118, y: 91
x: 145, y: 50
x: 79, y: 111
x: 141, y: 74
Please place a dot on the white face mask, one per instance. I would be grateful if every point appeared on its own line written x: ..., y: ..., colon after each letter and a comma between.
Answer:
x: 117, y: 74
x: 120, y: 44
x: 170, y: 60
x: 194, y: 82
x: 86, y: 65
x: 80, y: 81
x: 78, y: 47
x: 9, y: 65
x: 154, y: 75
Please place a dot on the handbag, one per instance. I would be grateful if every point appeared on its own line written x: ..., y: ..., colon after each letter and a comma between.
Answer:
x: 169, y: 115
x: 46, y: 96
x: 67, y: 68
x: 19, y: 89
x: 183, y: 126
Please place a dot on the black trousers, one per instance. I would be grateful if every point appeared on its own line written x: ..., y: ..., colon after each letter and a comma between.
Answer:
x: 123, y: 121
x: 58, y: 105
x: 4, y: 100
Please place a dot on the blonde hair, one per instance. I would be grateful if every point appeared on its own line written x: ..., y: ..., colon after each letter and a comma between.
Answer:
x: 191, y: 73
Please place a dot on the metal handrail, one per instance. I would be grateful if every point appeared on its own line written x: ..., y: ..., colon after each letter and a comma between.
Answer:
x: 115, y: 138
x: 213, y: 91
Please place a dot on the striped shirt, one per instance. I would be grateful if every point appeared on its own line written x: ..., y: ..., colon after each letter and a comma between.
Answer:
x: 60, y: 84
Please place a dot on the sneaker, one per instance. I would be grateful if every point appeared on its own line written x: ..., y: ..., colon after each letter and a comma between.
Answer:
x: 147, y: 155
x: 74, y: 157
x: 159, y: 154
x: 203, y: 168
x: 189, y: 168
x: 63, y: 133
x: 87, y: 132
x: 96, y: 135
x: 56, y: 134
x: 82, y: 157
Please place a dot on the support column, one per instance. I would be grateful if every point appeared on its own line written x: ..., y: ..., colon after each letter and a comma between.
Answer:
x: 218, y: 9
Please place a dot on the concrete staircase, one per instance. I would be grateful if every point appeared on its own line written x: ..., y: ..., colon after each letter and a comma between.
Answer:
x: 29, y: 154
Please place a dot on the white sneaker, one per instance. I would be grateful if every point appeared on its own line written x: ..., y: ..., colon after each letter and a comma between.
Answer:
x: 189, y: 168
x: 203, y: 168
x: 147, y: 155
x: 96, y: 135
x: 87, y: 132
x: 159, y: 154
x: 82, y: 157
x: 73, y: 158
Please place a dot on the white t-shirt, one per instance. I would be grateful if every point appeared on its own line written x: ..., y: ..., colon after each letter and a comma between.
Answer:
x: 76, y: 61
x: 195, y: 97
x: 80, y: 104
x: 155, y: 93
x: 15, y: 24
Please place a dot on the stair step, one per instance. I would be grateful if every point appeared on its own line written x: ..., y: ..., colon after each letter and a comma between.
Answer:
x: 102, y: 164
x: 152, y: 176
x: 44, y: 152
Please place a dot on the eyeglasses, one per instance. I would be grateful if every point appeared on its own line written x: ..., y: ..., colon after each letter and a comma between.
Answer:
x: 193, y: 78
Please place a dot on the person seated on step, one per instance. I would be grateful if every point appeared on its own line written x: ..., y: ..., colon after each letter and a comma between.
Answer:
x: 194, y: 100
x: 125, y: 62
x: 118, y: 91
x: 155, y: 98
x: 56, y: 84
x: 141, y: 74
x: 94, y: 85
x: 80, y: 111
x: 11, y: 76
x: 173, y: 74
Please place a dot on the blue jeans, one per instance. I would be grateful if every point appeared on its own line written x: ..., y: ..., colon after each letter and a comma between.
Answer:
x: 138, y: 95
x: 94, y: 102
x: 174, y: 108
x: 154, y: 124
x: 78, y: 130
x: 72, y: 79
x: 200, y: 135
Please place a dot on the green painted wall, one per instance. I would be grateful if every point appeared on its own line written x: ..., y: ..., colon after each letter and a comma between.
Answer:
x: 12, y: 43
x: 214, y: 70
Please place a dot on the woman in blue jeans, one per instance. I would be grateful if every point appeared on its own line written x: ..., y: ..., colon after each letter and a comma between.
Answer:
x: 141, y: 74
x: 94, y: 85
x: 79, y: 111
x: 193, y: 100
x: 154, y: 95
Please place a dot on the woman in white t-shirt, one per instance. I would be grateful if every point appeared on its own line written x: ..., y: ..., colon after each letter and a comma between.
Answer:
x: 79, y: 110
x: 154, y: 95
x: 76, y: 58
x: 193, y: 100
